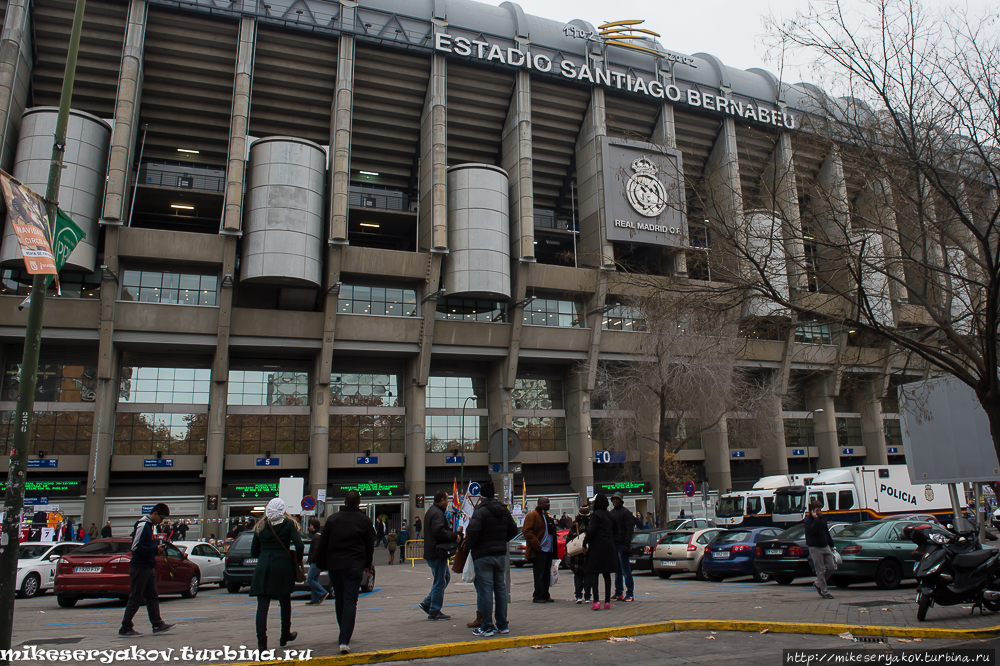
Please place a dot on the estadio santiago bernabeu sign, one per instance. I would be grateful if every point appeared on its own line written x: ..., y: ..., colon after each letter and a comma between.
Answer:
x: 643, y: 193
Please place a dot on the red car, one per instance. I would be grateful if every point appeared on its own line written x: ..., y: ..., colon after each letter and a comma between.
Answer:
x: 99, y: 569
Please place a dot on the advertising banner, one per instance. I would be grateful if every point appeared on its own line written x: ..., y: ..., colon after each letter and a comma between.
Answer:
x: 27, y: 215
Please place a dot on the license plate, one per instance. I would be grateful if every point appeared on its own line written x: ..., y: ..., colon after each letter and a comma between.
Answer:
x: 667, y: 563
x: 721, y: 554
x: 250, y: 560
x: 774, y: 551
x: 631, y: 561
x: 88, y: 570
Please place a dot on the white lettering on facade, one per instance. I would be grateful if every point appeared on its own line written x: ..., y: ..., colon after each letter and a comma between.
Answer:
x: 513, y: 57
x: 647, y: 226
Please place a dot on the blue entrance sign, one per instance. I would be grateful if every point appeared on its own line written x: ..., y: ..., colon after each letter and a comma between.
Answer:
x: 158, y: 462
x: 35, y: 501
x: 606, y: 457
x: 798, y: 452
x: 847, y: 452
x: 454, y: 460
x: 147, y: 509
x: 367, y: 460
x: 739, y: 454
x: 268, y: 462
x: 892, y: 449
x: 43, y: 462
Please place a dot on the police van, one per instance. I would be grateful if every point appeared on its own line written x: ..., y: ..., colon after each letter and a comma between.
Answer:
x: 853, y: 494
x: 750, y: 508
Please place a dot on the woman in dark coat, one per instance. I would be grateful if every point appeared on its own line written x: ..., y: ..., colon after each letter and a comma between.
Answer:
x: 602, y: 558
x: 578, y: 563
x: 275, y: 535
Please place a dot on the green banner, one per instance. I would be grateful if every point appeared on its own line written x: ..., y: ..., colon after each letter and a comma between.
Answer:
x: 68, y: 235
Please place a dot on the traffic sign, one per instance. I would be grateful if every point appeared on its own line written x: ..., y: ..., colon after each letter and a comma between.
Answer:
x: 308, y: 503
x: 474, y: 488
x: 496, y: 444
x: 689, y: 488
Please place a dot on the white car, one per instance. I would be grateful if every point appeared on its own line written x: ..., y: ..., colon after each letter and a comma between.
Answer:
x: 210, y: 561
x: 36, y: 565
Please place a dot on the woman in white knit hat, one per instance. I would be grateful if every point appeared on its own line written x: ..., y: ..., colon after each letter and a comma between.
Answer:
x: 275, y: 536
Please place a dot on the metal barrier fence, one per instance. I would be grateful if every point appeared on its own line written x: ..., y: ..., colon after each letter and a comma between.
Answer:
x: 413, y: 551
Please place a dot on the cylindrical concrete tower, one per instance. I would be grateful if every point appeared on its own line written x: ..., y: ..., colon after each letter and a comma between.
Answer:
x: 283, y: 228
x: 81, y: 190
x: 478, y: 232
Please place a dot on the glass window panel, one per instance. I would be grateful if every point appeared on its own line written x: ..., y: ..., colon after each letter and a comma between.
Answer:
x: 56, y: 382
x: 151, y: 279
x: 171, y: 280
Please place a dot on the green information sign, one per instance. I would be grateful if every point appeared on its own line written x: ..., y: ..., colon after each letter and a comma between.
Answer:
x: 634, y: 487
x: 46, y: 488
x: 373, y: 489
x: 255, y: 490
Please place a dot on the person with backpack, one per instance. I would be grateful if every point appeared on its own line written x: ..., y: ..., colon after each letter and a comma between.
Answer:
x: 490, y: 528
x: 142, y: 574
x: 275, y: 534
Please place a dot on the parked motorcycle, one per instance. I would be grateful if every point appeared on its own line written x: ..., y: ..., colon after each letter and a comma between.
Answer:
x: 954, y: 568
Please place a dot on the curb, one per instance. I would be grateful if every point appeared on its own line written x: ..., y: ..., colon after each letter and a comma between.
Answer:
x: 504, y: 643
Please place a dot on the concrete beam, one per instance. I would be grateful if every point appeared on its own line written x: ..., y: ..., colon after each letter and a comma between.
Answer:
x: 433, y: 218
x: 594, y: 249
x: 340, y: 135
x: 232, y: 216
x: 780, y: 187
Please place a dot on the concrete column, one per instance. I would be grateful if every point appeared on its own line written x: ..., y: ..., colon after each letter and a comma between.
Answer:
x: 433, y: 219
x: 832, y: 213
x: 500, y: 408
x: 774, y: 458
x: 872, y: 427
x: 516, y: 148
x: 15, y: 76
x: 340, y: 133
x: 578, y: 431
x: 232, y: 216
x: 715, y: 441
x: 594, y: 249
x: 218, y: 399
x: 102, y: 444
x: 319, y: 425
x: 415, y: 402
x: 123, y: 137
x: 819, y: 395
x: 724, y: 193
x: 780, y: 188
x: 665, y: 134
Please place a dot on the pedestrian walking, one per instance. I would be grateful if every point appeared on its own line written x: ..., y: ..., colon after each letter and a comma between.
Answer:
x: 820, y: 545
x: 317, y: 593
x: 625, y: 521
x: 490, y: 528
x: 379, y: 532
x: 540, y: 547
x: 391, y: 544
x: 93, y: 531
x: 578, y: 563
x: 417, y: 525
x: 601, y: 556
x: 347, y: 545
x: 182, y: 530
x: 440, y: 542
x: 106, y: 531
x: 142, y: 574
x: 275, y: 535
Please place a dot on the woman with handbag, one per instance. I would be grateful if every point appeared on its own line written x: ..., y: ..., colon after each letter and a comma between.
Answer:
x: 277, y: 570
x: 602, y: 557
x: 578, y: 561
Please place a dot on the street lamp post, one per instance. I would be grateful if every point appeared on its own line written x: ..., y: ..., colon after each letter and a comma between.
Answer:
x: 464, y: 405
x: 812, y: 415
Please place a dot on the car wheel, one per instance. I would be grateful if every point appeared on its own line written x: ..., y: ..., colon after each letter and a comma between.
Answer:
x: 664, y: 574
x: 30, y: 586
x: 714, y: 579
x: 700, y: 574
x: 761, y: 576
x: 233, y: 588
x: 66, y: 602
x: 784, y: 580
x: 192, y: 589
x: 888, y: 575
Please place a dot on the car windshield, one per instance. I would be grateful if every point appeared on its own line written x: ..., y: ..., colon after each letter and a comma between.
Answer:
x: 518, y: 537
x: 793, y: 533
x: 789, y: 503
x: 861, y: 530
x: 676, y: 537
x: 103, y: 548
x: 733, y: 537
x: 674, y: 524
x: 31, y: 552
x: 730, y: 507
x: 242, y: 542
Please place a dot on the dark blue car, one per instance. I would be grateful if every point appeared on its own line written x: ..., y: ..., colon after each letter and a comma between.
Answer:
x: 733, y: 552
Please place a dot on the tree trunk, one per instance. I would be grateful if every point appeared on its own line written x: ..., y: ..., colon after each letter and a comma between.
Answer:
x: 991, y: 405
x: 663, y: 448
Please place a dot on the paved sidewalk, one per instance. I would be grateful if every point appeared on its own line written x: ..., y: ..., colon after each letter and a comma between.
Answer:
x: 388, y: 618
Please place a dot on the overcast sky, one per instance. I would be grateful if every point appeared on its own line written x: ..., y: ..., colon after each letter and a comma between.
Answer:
x: 731, y: 30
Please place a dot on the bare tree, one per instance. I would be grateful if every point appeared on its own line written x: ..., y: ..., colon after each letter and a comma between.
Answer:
x: 686, y: 380
x: 884, y: 221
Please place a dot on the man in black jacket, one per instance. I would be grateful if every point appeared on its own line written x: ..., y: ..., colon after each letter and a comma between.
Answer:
x: 437, y: 532
x: 346, y: 548
x: 623, y: 546
x: 318, y: 593
x: 142, y: 574
x: 490, y: 528
x: 820, y: 545
x: 106, y: 531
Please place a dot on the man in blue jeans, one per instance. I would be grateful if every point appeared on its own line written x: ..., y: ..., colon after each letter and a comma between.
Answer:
x: 623, y: 546
x: 346, y: 548
x: 490, y: 528
x: 317, y: 593
x: 437, y: 533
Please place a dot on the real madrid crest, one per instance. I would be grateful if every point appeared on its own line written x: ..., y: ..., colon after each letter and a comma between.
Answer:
x: 644, y: 190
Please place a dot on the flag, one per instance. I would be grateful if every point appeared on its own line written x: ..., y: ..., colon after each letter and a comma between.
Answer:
x: 67, y: 236
x: 454, y: 494
x: 524, y: 496
x: 27, y: 215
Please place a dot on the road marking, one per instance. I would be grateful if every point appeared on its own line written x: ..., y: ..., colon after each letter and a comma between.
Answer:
x: 178, y: 619
x: 71, y: 624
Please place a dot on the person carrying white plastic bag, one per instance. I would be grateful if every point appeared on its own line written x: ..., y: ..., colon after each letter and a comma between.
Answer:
x: 469, y: 572
x: 489, y: 531
x: 554, y: 576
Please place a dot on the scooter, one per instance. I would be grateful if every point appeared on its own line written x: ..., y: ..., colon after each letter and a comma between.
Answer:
x: 954, y: 568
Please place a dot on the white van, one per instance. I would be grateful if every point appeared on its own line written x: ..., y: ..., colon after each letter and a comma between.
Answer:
x: 750, y: 508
